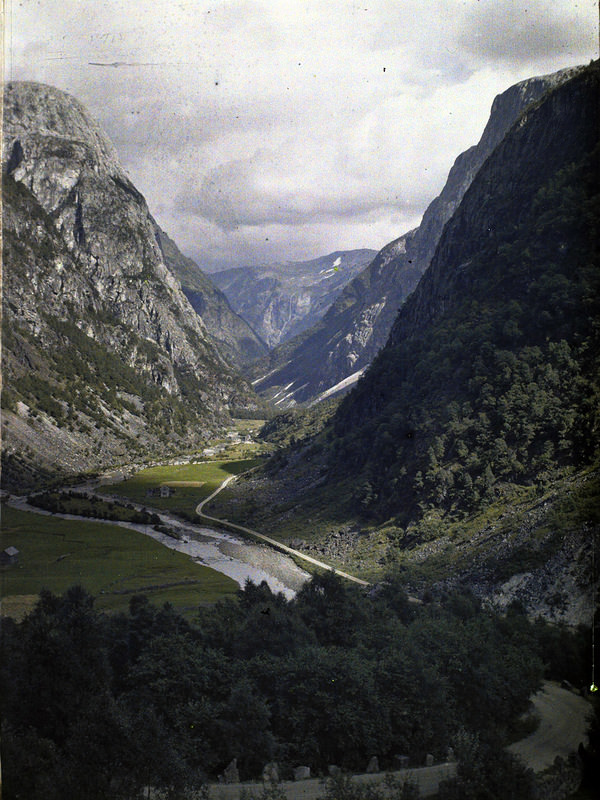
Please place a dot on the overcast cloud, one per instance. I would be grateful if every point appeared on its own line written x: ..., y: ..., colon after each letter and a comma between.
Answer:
x: 264, y: 130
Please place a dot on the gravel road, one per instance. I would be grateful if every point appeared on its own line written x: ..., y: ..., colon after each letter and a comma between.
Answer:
x: 563, y: 725
x: 428, y: 779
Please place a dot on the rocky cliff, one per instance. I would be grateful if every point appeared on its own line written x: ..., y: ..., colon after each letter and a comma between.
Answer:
x: 103, y: 355
x: 282, y: 300
x: 334, y: 353
x: 232, y: 335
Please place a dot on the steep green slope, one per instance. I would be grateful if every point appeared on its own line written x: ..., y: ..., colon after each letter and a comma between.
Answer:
x: 491, y: 372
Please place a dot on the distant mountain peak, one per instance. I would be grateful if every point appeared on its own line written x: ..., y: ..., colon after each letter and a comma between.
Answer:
x: 280, y: 300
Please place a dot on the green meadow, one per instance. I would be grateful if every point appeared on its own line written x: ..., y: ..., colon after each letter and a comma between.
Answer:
x: 191, y: 483
x: 112, y: 562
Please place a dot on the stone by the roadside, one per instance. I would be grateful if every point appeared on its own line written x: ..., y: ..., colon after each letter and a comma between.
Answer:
x: 450, y: 754
x: 429, y: 760
x: 402, y: 761
x: 270, y: 773
x: 333, y: 771
x: 231, y: 773
x: 301, y: 773
x: 373, y: 765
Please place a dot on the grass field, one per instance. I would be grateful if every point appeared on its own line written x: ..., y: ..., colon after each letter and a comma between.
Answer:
x: 191, y: 482
x: 111, y: 562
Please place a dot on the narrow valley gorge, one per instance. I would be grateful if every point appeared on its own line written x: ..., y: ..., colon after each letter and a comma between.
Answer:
x: 332, y: 518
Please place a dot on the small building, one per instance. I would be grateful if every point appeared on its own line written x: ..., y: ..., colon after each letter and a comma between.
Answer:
x: 166, y: 491
x: 9, y: 556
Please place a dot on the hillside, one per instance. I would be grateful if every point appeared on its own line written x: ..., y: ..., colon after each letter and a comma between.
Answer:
x: 232, y: 335
x: 333, y: 354
x: 490, y: 370
x: 468, y: 444
x: 280, y: 301
x: 103, y: 356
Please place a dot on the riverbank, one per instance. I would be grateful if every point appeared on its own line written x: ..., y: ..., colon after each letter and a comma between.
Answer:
x: 220, y: 551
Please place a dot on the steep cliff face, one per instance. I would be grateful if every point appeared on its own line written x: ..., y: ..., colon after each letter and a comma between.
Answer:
x: 102, y: 350
x: 232, y: 335
x: 335, y: 352
x: 282, y: 300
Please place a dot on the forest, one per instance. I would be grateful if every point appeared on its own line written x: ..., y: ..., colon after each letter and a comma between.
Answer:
x: 97, y: 706
x: 428, y: 428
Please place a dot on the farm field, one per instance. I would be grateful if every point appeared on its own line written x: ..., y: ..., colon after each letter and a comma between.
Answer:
x: 191, y: 483
x: 112, y: 562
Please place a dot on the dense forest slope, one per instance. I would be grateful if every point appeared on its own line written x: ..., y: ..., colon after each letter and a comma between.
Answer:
x: 357, y: 325
x: 470, y: 445
x: 98, y: 706
x: 491, y: 371
x: 103, y: 356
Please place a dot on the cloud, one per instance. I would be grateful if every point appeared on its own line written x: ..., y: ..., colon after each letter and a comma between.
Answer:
x: 521, y: 33
x: 392, y: 157
x: 258, y: 127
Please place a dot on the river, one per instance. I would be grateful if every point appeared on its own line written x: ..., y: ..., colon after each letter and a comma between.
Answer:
x: 222, y: 551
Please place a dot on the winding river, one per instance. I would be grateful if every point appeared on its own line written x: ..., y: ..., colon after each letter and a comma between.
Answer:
x: 222, y: 551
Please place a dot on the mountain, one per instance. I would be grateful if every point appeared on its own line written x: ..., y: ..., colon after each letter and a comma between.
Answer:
x: 468, y: 451
x: 333, y: 354
x: 232, y: 335
x: 490, y: 372
x: 103, y: 356
x: 280, y: 301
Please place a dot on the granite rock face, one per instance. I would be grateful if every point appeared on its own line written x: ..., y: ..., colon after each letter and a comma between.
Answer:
x: 102, y: 350
x: 334, y: 353
x: 232, y: 335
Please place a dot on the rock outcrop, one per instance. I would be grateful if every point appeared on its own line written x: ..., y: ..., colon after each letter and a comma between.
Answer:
x: 103, y: 355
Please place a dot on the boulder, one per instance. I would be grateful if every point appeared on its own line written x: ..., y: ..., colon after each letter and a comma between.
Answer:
x: 230, y: 773
x: 429, y: 760
x: 270, y: 773
x: 373, y: 765
x: 301, y: 773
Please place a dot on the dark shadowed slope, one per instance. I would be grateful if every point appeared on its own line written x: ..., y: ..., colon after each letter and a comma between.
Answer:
x: 340, y: 346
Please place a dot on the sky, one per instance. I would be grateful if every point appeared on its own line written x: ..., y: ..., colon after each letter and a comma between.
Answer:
x: 282, y: 130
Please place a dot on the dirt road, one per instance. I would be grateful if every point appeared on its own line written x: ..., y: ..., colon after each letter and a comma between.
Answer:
x: 427, y: 778
x: 563, y: 725
x: 272, y: 542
